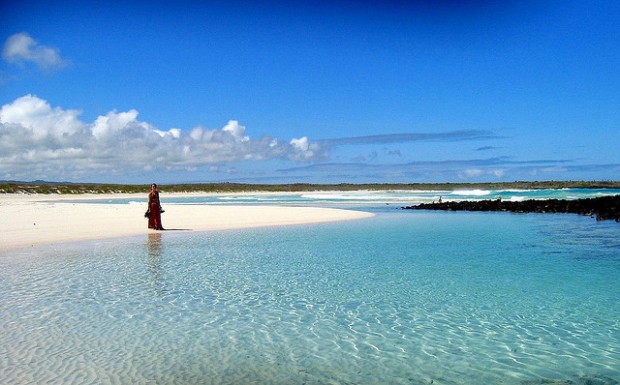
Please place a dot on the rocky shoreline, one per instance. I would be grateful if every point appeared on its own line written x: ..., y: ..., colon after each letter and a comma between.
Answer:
x: 603, y: 208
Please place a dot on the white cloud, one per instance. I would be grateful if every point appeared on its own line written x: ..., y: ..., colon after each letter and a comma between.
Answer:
x: 304, y: 150
x: 39, y: 140
x: 37, y: 116
x: 236, y: 130
x: 110, y: 124
x: 301, y: 143
x: 21, y: 47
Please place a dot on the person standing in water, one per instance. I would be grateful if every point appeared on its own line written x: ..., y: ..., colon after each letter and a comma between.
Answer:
x: 154, y: 209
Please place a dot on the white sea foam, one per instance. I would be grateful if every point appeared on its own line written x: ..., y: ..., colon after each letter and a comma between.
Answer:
x: 476, y: 192
x: 232, y: 198
x: 270, y: 198
x: 344, y: 197
x: 516, y: 190
x: 369, y: 197
x: 606, y: 194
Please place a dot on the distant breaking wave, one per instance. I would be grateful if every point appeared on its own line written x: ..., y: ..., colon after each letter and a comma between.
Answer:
x: 476, y: 192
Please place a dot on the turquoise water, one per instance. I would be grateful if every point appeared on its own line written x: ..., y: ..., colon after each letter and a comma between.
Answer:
x: 370, y: 199
x: 401, y: 298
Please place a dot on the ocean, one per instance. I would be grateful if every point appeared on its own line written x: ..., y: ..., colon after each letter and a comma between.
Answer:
x: 371, y: 200
x: 404, y: 297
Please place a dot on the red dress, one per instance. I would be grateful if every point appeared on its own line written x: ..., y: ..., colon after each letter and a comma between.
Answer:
x: 155, y: 211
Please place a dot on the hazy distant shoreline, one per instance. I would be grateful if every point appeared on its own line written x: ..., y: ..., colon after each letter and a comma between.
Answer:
x: 45, y: 187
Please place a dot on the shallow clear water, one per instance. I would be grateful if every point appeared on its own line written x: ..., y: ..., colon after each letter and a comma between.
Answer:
x: 401, y: 298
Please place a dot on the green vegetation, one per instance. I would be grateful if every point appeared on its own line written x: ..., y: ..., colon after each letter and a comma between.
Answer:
x: 40, y: 187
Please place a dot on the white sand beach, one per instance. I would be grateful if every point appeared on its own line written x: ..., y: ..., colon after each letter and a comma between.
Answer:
x: 32, y: 220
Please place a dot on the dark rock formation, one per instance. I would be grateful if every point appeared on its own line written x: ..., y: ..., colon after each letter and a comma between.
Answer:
x: 603, y: 208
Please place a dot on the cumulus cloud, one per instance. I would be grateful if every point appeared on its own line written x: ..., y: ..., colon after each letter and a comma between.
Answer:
x: 304, y: 150
x: 21, y: 47
x: 38, y: 139
x: 38, y: 117
x: 236, y: 130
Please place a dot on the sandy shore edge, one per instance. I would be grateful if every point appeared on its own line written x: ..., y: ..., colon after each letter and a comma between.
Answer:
x: 34, y: 220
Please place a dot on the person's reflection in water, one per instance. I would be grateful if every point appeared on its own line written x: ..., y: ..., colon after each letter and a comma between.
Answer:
x: 154, y: 261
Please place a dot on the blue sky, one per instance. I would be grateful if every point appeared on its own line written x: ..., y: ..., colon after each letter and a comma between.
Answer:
x: 319, y: 92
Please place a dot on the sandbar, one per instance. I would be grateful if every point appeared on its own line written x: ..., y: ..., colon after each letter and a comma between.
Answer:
x: 30, y: 220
